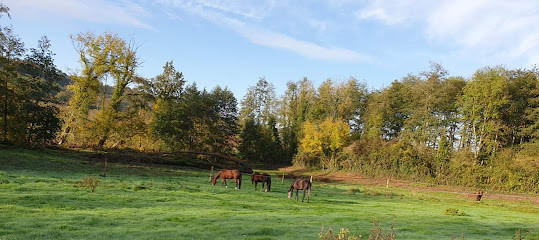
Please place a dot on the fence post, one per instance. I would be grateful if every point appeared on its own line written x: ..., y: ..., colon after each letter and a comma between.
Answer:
x: 211, y: 173
x: 282, y: 179
x: 387, y: 183
x: 311, y: 179
x: 105, y: 169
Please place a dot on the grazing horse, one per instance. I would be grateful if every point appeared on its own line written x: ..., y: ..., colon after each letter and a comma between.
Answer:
x: 300, y: 184
x: 228, y: 174
x: 263, y: 178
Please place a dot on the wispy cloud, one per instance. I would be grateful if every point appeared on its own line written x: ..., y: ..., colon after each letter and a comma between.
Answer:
x: 217, y: 13
x: 241, y: 8
x: 99, y: 11
x: 491, y: 28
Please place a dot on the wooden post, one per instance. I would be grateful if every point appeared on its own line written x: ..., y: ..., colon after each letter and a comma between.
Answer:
x: 282, y: 179
x: 387, y: 183
x: 105, y: 169
x: 311, y: 179
x: 211, y: 173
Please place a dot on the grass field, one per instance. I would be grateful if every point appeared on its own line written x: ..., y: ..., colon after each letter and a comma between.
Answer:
x: 40, y: 198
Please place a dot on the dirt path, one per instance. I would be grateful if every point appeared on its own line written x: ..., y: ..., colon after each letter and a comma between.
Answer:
x: 415, y: 186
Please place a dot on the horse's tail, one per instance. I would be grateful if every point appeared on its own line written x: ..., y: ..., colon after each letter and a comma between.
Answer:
x: 269, y: 184
x: 309, y: 192
x: 239, y: 185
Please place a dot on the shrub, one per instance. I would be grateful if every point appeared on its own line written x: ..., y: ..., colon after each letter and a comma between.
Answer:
x: 454, y: 212
x: 88, y: 182
x: 354, y: 190
x: 342, y: 235
x: 375, y: 234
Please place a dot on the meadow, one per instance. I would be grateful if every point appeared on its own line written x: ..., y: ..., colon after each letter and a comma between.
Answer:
x: 42, y: 196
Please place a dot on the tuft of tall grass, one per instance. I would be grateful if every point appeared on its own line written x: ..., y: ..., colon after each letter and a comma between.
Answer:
x: 454, y: 212
x: 376, y: 234
x: 88, y: 182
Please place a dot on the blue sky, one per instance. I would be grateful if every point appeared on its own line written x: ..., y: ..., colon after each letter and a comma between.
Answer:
x: 233, y: 42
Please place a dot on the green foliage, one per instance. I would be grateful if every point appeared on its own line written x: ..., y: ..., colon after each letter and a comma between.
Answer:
x: 260, y: 143
x: 259, y: 103
x: 103, y: 57
x: 29, y: 85
x: 454, y: 212
x: 198, y: 120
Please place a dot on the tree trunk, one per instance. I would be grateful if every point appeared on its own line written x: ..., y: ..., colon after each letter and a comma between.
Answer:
x: 4, y: 133
x: 104, y: 138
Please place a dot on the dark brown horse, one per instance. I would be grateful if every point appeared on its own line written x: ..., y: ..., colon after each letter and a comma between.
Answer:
x: 263, y: 178
x: 300, y: 184
x: 228, y: 174
x: 478, y: 195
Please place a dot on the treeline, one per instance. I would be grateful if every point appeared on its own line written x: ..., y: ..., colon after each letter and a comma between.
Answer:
x: 481, y: 131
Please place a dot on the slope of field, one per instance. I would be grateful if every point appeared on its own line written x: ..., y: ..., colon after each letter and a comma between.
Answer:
x: 41, y: 198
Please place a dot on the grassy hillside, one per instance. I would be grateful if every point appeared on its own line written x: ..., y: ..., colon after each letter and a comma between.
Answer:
x: 41, y: 198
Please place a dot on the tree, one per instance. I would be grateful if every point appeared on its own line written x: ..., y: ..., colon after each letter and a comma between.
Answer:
x: 322, y: 142
x: 39, y: 109
x: 518, y: 113
x: 11, y: 50
x: 482, y: 104
x: 167, y: 85
x: 531, y: 127
x: 103, y: 58
x: 198, y: 120
x: 295, y: 105
x: 259, y: 103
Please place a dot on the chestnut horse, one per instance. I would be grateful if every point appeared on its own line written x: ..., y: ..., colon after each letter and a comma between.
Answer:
x: 263, y: 178
x: 300, y: 184
x: 228, y: 174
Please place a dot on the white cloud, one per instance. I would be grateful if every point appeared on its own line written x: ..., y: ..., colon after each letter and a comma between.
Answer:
x: 278, y: 40
x: 262, y: 36
x: 498, y: 29
x: 100, y: 11
x: 241, y: 8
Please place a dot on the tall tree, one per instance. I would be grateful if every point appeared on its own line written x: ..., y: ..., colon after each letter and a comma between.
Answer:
x: 39, y: 109
x: 11, y: 50
x: 482, y: 104
x: 104, y: 58
x: 259, y: 103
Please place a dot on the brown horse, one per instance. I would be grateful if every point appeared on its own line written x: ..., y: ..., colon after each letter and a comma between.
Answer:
x: 228, y: 174
x: 263, y: 178
x: 478, y: 195
x: 300, y: 184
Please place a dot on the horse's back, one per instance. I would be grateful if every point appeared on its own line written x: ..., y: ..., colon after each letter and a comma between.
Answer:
x: 302, y: 184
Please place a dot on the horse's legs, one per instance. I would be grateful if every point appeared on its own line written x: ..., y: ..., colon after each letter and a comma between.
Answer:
x: 256, y: 183
x: 297, y: 190
x: 263, y: 183
x: 224, y: 182
x: 303, y: 196
x: 237, y: 181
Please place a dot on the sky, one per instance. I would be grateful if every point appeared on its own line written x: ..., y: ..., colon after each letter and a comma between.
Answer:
x: 232, y: 43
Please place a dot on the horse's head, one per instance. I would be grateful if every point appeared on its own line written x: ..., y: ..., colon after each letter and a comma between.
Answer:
x: 290, y: 194
x: 213, y: 181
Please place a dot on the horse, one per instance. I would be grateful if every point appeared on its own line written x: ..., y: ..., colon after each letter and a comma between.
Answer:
x: 263, y: 178
x: 228, y: 174
x: 478, y: 195
x: 300, y: 184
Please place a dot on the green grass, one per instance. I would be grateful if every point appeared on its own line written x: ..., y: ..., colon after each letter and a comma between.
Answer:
x: 41, y: 198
